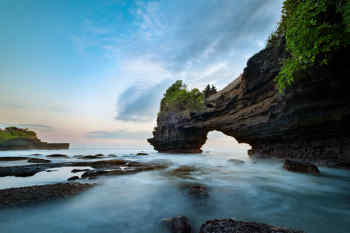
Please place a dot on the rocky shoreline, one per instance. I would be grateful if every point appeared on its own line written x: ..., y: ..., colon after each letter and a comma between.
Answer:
x: 40, y: 193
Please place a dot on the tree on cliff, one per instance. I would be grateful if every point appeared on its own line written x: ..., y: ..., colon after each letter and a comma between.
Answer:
x: 209, y: 90
x: 178, y: 98
x: 314, y: 31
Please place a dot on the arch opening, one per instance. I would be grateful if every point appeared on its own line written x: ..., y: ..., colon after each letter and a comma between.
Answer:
x: 220, y: 142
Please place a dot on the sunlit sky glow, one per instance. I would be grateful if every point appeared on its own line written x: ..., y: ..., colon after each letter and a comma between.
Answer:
x: 92, y: 72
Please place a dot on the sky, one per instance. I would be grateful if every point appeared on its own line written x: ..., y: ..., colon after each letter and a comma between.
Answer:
x: 92, y: 72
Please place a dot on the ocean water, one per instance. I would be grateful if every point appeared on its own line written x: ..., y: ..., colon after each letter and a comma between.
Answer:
x: 257, y: 190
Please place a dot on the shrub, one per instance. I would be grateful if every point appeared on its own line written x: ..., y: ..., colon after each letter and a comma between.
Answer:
x: 178, y: 98
x: 313, y: 29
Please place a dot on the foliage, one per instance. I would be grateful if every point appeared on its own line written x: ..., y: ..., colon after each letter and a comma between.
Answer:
x: 209, y: 90
x: 313, y: 29
x: 178, y: 98
x: 14, y: 132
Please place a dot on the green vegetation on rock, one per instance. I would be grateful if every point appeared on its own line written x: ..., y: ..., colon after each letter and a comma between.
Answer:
x: 177, y: 98
x: 313, y: 30
x: 14, y: 132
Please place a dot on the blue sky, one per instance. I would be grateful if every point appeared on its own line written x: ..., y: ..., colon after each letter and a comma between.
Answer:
x: 93, y: 71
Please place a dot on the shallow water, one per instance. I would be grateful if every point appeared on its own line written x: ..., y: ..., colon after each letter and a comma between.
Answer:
x: 254, y: 191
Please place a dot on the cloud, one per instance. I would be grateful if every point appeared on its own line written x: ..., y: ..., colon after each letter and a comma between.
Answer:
x: 138, y: 103
x: 40, y: 127
x: 118, y: 134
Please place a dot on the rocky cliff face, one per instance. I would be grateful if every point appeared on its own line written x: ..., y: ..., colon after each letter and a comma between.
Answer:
x: 309, y: 121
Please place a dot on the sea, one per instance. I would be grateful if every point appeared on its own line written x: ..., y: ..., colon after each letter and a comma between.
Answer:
x: 252, y: 190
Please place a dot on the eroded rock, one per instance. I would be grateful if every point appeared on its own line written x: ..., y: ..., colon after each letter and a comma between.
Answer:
x: 36, y: 160
x: 233, y: 226
x: 40, y: 193
x: 303, y: 167
x: 73, y: 178
x: 12, y: 158
x: 58, y: 156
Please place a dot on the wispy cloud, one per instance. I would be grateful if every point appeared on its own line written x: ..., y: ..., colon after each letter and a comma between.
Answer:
x: 118, y: 134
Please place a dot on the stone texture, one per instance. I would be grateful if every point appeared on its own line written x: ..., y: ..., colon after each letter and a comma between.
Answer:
x: 309, y: 121
x: 303, y: 167
x: 233, y: 226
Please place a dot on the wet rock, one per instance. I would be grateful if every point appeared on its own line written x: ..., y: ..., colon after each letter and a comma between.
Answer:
x: 124, y: 165
x: 141, y: 153
x: 58, y: 156
x: 36, y: 160
x: 12, y: 158
x: 52, y: 170
x: 179, y: 224
x: 183, y: 171
x: 34, y: 194
x: 112, y: 155
x: 97, y: 156
x: 198, y: 191
x: 80, y: 170
x: 233, y: 226
x: 236, y: 161
x: 73, y: 178
x: 36, y: 154
x: 303, y: 167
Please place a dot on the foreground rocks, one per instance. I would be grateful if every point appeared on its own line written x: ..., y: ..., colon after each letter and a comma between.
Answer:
x: 36, y: 160
x: 303, y: 167
x: 40, y: 193
x: 58, y: 156
x: 12, y: 158
x: 309, y: 121
x: 179, y: 224
x: 233, y: 226
x: 103, y: 167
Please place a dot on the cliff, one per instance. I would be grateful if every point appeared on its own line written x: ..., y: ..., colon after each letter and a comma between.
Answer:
x: 309, y: 121
x: 13, y: 138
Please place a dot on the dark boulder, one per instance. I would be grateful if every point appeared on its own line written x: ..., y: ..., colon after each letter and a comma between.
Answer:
x: 12, y: 158
x: 141, y: 153
x: 179, y: 224
x: 58, y: 156
x: 36, y: 160
x: 80, y: 170
x: 233, y: 226
x: 303, y: 167
x: 73, y: 178
x: 236, y: 161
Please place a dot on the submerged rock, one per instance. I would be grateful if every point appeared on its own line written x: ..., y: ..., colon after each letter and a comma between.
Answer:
x: 233, y: 226
x: 33, y: 194
x: 80, y: 170
x: 184, y: 171
x: 196, y: 190
x: 73, y: 178
x: 97, y: 156
x: 12, y: 158
x: 236, y: 161
x: 303, y: 167
x: 141, y: 153
x: 58, y: 156
x: 36, y: 160
x: 179, y: 224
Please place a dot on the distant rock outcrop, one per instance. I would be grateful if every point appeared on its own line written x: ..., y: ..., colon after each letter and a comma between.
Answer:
x: 309, y: 121
x: 13, y: 138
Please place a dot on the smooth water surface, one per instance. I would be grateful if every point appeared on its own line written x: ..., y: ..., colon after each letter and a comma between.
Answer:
x: 254, y: 191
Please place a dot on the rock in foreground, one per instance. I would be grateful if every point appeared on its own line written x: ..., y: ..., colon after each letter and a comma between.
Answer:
x: 303, y: 167
x: 233, y: 226
x: 178, y: 224
x: 36, y: 160
x: 26, y: 195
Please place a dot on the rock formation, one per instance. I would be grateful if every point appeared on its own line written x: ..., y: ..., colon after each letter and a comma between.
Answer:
x: 308, y: 121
